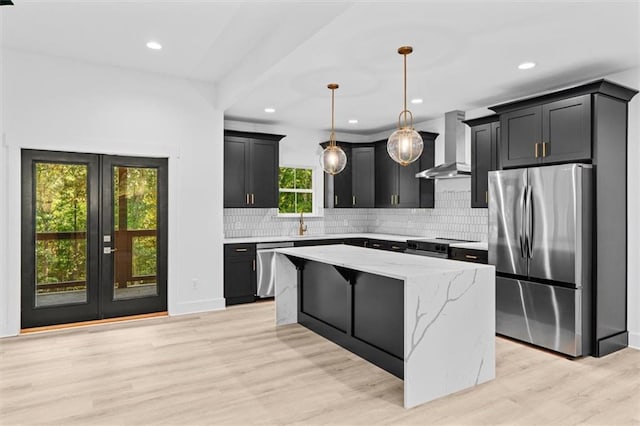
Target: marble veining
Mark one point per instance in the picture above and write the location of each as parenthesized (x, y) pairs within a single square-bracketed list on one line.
[(449, 314), (425, 314)]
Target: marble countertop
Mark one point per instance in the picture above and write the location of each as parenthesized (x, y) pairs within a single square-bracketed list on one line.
[(386, 237), (474, 246), (388, 264)]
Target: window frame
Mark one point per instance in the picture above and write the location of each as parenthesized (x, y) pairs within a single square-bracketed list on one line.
[(316, 186)]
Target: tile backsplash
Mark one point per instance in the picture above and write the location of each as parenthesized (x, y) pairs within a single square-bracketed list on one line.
[(451, 218)]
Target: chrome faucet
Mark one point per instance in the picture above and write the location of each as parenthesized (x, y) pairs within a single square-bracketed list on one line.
[(302, 228)]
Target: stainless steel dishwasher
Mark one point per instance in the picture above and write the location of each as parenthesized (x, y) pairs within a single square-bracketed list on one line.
[(266, 269)]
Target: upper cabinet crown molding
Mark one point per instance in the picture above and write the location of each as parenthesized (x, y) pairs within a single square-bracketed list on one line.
[(601, 86)]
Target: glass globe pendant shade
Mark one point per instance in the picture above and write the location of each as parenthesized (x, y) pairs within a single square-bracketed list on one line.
[(405, 146), (333, 159)]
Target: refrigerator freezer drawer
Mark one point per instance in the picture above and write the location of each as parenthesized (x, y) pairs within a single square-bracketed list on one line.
[(544, 315)]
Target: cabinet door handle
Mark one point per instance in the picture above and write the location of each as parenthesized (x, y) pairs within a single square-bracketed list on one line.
[(335, 200), (354, 200), (391, 199), (240, 250), (253, 199), (535, 149), (468, 256), (247, 198), (376, 245), (544, 149), (253, 263), (395, 247)]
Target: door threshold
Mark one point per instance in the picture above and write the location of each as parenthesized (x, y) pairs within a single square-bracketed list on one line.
[(92, 322)]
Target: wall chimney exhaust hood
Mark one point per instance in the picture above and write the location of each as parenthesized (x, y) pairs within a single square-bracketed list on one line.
[(454, 147)]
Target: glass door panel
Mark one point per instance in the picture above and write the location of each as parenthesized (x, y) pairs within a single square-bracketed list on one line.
[(60, 228), (135, 219), (94, 237), (134, 271), (61, 204)]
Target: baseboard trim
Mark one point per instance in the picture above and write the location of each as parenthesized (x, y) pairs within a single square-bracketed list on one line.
[(634, 340), (197, 306), (92, 322)]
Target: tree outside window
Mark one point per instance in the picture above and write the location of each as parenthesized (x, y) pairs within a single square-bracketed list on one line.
[(296, 190)]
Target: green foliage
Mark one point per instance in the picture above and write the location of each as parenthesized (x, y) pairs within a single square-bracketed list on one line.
[(61, 201), (295, 190)]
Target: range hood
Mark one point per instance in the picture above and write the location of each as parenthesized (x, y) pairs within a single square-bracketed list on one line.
[(454, 147)]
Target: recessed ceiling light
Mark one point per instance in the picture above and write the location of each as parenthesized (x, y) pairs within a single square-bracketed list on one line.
[(526, 65), (154, 45), (416, 101), (270, 110), (353, 121)]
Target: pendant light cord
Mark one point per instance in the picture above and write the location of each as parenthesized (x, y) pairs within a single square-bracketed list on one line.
[(332, 140), (405, 83)]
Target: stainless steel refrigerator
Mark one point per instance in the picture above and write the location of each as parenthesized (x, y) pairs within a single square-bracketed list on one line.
[(540, 232)]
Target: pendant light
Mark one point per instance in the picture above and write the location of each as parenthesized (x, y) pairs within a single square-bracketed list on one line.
[(333, 159), (405, 144)]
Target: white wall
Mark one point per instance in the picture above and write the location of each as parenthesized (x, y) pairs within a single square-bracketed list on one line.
[(57, 104)]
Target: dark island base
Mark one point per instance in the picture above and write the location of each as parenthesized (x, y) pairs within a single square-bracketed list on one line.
[(362, 312)]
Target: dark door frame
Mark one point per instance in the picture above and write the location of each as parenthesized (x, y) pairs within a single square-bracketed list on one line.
[(99, 303)]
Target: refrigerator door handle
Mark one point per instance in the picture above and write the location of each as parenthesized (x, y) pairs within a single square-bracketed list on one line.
[(529, 214), (522, 236)]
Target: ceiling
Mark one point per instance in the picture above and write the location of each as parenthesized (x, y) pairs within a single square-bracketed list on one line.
[(283, 54)]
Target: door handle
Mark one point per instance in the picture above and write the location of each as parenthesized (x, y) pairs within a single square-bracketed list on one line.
[(247, 198), (254, 264), (353, 200), (335, 200), (240, 250), (522, 232), (468, 256), (391, 199), (253, 199), (544, 149), (109, 250), (529, 238), (535, 149)]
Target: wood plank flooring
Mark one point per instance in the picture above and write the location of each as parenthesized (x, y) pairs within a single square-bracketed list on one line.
[(235, 367)]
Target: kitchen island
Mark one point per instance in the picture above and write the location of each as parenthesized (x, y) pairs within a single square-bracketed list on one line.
[(429, 321)]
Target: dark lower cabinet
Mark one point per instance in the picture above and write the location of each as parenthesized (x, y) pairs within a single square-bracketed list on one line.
[(239, 273), (387, 245), (306, 243), (485, 135), (468, 255)]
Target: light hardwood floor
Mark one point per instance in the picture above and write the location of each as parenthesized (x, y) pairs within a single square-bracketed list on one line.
[(236, 367)]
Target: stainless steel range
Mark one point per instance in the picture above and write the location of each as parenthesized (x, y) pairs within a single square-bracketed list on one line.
[(433, 247)]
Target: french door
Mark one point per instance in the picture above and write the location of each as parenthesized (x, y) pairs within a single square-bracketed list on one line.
[(94, 237)]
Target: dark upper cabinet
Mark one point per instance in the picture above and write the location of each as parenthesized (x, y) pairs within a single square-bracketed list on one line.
[(553, 132), (251, 169), (363, 172), (566, 130), (338, 187), (485, 134), (386, 177), (427, 161), (236, 157), (239, 273), (396, 185)]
